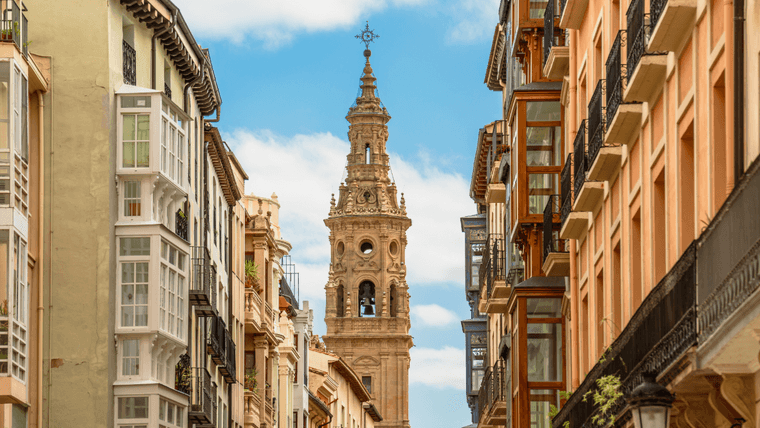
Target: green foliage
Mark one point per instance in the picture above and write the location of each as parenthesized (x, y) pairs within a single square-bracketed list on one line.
[(565, 395), (606, 395), (251, 270), (251, 383), (566, 424), (553, 410)]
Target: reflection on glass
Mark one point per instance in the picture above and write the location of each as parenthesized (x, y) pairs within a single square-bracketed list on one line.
[(540, 400), (540, 187), (537, 9), (544, 308), (543, 111), (544, 352), (543, 146)]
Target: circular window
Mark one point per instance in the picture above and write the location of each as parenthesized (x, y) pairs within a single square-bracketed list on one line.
[(340, 248), (394, 248), (366, 247)]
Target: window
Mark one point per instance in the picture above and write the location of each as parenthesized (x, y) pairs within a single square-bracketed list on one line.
[(133, 408), (132, 202), (367, 381), (130, 357), (172, 290), (170, 414), (134, 247), (136, 140), (20, 287), (543, 146), (540, 187), (134, 294), (172, 144)]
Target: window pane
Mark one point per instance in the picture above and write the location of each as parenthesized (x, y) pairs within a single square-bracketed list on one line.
[(543, 144), (129, 154), (544, 308), (540, 400), (143, 127), (540, 187), (543, 111), (129, 127), (135, 247), (544, 352), (143, 154)]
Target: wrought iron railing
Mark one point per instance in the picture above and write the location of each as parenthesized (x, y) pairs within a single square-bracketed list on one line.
[(548, 29), (562, 4), (615, 76), (637, 37), (216, 340), (202, 402), (595, 123), (180, 225), (565, 189), (655, 11), (494, 261), (659, 333), (579, 159), (167, 90), (13, 24), (551, 239), (129, 59), (493, 387), (230, 362), (183, 375), (202, 292)]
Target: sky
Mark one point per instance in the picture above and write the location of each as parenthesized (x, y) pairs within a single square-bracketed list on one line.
[(288, 70)]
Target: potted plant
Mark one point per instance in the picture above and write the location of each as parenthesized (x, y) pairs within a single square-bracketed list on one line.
[(251, 274), (250, 380)]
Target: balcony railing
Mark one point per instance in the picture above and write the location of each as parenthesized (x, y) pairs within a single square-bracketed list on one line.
[(13, 25), (202, 403), (493, 387), (595, 123), (656, 7), (637, 34), (579, 158), (552, 242), (167, 91), (216, 340), (494, 262), (565, 190), (615, 76), (202, 292), (230, 363), (548, 29), (659, 333), (129, 59), (180, 225), (183, 375), (252, 307)]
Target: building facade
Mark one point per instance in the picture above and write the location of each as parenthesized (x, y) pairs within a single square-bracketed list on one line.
[(367, 311)]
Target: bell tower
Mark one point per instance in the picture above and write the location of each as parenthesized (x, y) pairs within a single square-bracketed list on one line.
[(367, 313)]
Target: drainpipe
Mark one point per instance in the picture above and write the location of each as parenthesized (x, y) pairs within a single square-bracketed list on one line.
[(218, 113), (40, 251), (200, 77), (730, 88), (157, 34), (229, 305), (738, 89), (574, 294)]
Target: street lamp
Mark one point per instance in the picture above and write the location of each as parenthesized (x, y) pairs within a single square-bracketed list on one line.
[(650, 404)]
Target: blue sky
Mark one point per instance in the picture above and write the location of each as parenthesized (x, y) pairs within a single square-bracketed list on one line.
[(288, 70)]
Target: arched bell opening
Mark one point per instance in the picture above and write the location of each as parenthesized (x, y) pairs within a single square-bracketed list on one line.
[(367, 299), (339, 301), (392, 301)]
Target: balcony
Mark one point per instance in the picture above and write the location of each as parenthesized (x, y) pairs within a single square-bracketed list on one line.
[(556, 255), (672, 23), (180, 225), (587, 193), (129, 60), (654, 340), (252, 409), (556, 51), (202, 292), (493, 273), (167, 91), (228, 370), (221, 348), (492, 402), (603, 159), (268, 407), (202, 401), (623, 119), (14, 25), (572, 13), (183, 375), (565, 191), (645, 69), (252, 312)]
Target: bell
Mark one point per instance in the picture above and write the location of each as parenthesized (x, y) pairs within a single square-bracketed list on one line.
[(368, 310)]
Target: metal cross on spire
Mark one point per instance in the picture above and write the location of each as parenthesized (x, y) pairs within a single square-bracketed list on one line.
[(367, 36)]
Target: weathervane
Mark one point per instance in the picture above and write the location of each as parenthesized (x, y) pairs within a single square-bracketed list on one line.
[(367, 36)]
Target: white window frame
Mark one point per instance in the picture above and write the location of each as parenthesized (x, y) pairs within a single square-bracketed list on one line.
[(163, 406), (133, 259), (172, 286), (136, 141), (173, 136), (125, 200), (123, 357), (18, 339), (134, 422)]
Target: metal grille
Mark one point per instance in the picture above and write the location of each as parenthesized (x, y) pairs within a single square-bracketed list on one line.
[(579, 158), (655, 11), (551, 243), (494, 262), (180, 226), (167, 90), (562, 4), (567, 197), (595, 123), (615, 76), (636, 34), (130, 64), (493, 387), (202, 292), (202, 401)]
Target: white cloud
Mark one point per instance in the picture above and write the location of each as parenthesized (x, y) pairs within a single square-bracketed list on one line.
[(433, 315), (441, 368), (275, 22), (475, 20)]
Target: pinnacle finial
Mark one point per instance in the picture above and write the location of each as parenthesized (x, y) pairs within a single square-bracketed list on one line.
[(367, 36)]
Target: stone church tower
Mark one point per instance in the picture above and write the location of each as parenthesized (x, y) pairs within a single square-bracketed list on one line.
[(367, 312)]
